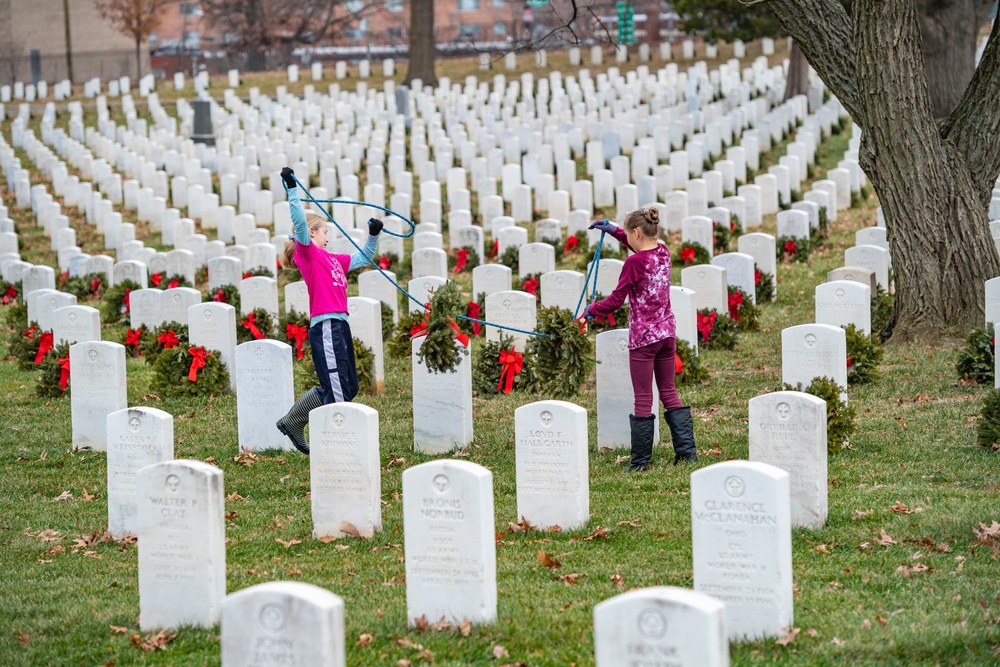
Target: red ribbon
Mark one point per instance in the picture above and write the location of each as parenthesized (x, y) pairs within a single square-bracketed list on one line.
[(29, 333), (756, 276), (687, 255), (512, 363), (459, 336), (156, 279), (125, 300), (732, 226), (531, 286), (173, 283), (10, 294), (735, 301), (472, 310), (418, 329), (63, 277), (462, 259), (168, 339), (251, 323), (220, 296), (248, 274), (706, 323), (132, 337), (297, 333), (496, 248), (198, 356), (571, 244), (383, 262), (63, 373), (790, 247), (44, 345), (678, 365), (95, 284)]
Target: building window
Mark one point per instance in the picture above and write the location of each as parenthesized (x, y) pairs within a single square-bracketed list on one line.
[(500, 28), (190, 9), (192, 40), (395, 32), (394, 5), (498, 3), (468, 5), (468, 30)]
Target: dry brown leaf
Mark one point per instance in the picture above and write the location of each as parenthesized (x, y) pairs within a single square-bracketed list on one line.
[(554, 529), (632, 524), (326, 539), (118, 629), (788, 637), (885, 539), (837, 641), (349, 528), (522, 526), (881, 619), (153, 642), (246, 457), (47, 535), (87, 497), (294, 571), (404, 642), (232, 515), (398, 461), (421, 624), (500, 652), (547, 559), (812, 632), (233, 497), (426, 655), (599, 532), (618, 580), (402, 662), (570, 578), (465, 627), (442, 625), (988, 532), (65, 495), (23, 637), (821, 549), (288, 543), (857, 514), (364, 639)]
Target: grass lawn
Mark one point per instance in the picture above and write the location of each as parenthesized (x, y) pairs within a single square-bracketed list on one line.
[(70, 598)]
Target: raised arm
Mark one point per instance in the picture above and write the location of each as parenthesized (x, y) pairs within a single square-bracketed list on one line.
[(301, 227), (362, 258)]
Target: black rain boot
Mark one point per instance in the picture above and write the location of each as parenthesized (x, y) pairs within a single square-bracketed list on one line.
[(642, 441), (294, 423), (682, 434)]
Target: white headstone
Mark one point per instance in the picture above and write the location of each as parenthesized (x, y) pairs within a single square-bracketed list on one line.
[(870, 257), (490, 278), (182, 544), (264, 393), (739, 271), (615, 393), (98, 388), (442, 404), (512, 309), (843, 302), (137, 437), (810, 351), (710, 286), (449, 542), (212, 325), (76, 324)]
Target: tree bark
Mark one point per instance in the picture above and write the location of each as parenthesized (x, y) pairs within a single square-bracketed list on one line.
[(930, 178), (797, 81), (422, 50), (949, 29)]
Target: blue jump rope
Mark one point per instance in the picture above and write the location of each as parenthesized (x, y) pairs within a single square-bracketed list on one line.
[(592, 270)]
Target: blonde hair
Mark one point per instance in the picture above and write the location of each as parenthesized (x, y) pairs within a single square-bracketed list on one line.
[(646, 220), (314, 221)]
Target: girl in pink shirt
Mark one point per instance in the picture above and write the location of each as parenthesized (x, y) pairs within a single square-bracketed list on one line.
[(325, 275), (652, 334)]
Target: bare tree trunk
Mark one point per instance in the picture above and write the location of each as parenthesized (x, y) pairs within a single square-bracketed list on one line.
[(797, 81), (932, 179), (422, 49), (949, 29), (138, 60)]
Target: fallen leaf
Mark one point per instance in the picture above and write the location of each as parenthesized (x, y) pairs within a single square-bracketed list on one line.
[(349, 528), (821, 549), (232, 515), (884, 621), (837, 641), (154, 642), (23, 638), (465, 627), (885, 539), (395, 462), (421, 623), (282, 480), (570, 578), (87, 497), (364, 639), (233, 497), (294, 571), (812, 632), (901, 508), (618, 580), (118, 629), (65, 495), (246, 457), (326, 539), (633, 524), (500, 652), (857, 514), (522, 526), (554, 529), (622, 459), (47, 535), (788, 638), (598, 533), (426, 655), (288, 543), (547, 559), (402, 662)]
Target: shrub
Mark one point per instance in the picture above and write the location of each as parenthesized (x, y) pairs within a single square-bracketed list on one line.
[(988, 429), (976, 358), (688, 369), (864, 354), (839, 415), (172, 371)]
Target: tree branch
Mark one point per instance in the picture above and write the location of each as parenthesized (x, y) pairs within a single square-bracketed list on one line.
[(822, 29), (974, 125)]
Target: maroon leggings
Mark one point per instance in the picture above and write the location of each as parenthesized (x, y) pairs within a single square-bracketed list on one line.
[(645, 363)]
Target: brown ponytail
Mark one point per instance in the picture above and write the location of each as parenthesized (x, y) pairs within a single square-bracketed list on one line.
[(646, 220)]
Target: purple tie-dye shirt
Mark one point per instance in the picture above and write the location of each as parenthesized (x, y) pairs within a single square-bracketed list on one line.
[(645, 280)]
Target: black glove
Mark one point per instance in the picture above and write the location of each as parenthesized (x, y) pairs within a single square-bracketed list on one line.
[(288, 176), (374, 226)]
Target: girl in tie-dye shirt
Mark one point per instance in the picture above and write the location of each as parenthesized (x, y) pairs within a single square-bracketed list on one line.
[(652, 334)]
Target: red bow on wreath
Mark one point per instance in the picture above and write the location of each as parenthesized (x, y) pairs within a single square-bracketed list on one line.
[(472, 310), (248, 274), (156, 279), (420, 328), (496, 248), (44, 345), (220, 296), (29, 333), (571, 244), (173, 283), (512, 363), (599, 319), (735, 301), (251, 323), (168, 339), (125, 301), (198, 356), (531, 286), (10, 294), (678, 365), (132, 337), (732, 226), (63, 373), (461, 259), (790, 247), (756, 276), (95, 284), (706, 323), (459, 336), (687, 255), (383, 262), (297, 333)]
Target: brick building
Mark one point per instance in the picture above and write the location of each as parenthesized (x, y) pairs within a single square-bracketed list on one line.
[(35, 37)]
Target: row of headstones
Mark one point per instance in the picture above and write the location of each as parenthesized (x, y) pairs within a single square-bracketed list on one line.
[(34, 91), (741, 542)]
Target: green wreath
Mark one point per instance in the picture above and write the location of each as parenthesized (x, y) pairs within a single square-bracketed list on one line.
[(716, 333), (562, 357), (153, 342), (226, 294), (691, 254), (487, 371), (49, 384), (988, 428), (688, 370), (471, 259), (509, 258), (114, 309), (791, 249), (259, 318), (742, 310), (364, 362), (439, 352), (821, 232), (864, 354), (23, 346), (172, 371), (616, 320), (721, 235), (398, 347), (883, 311), (764, 285)]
